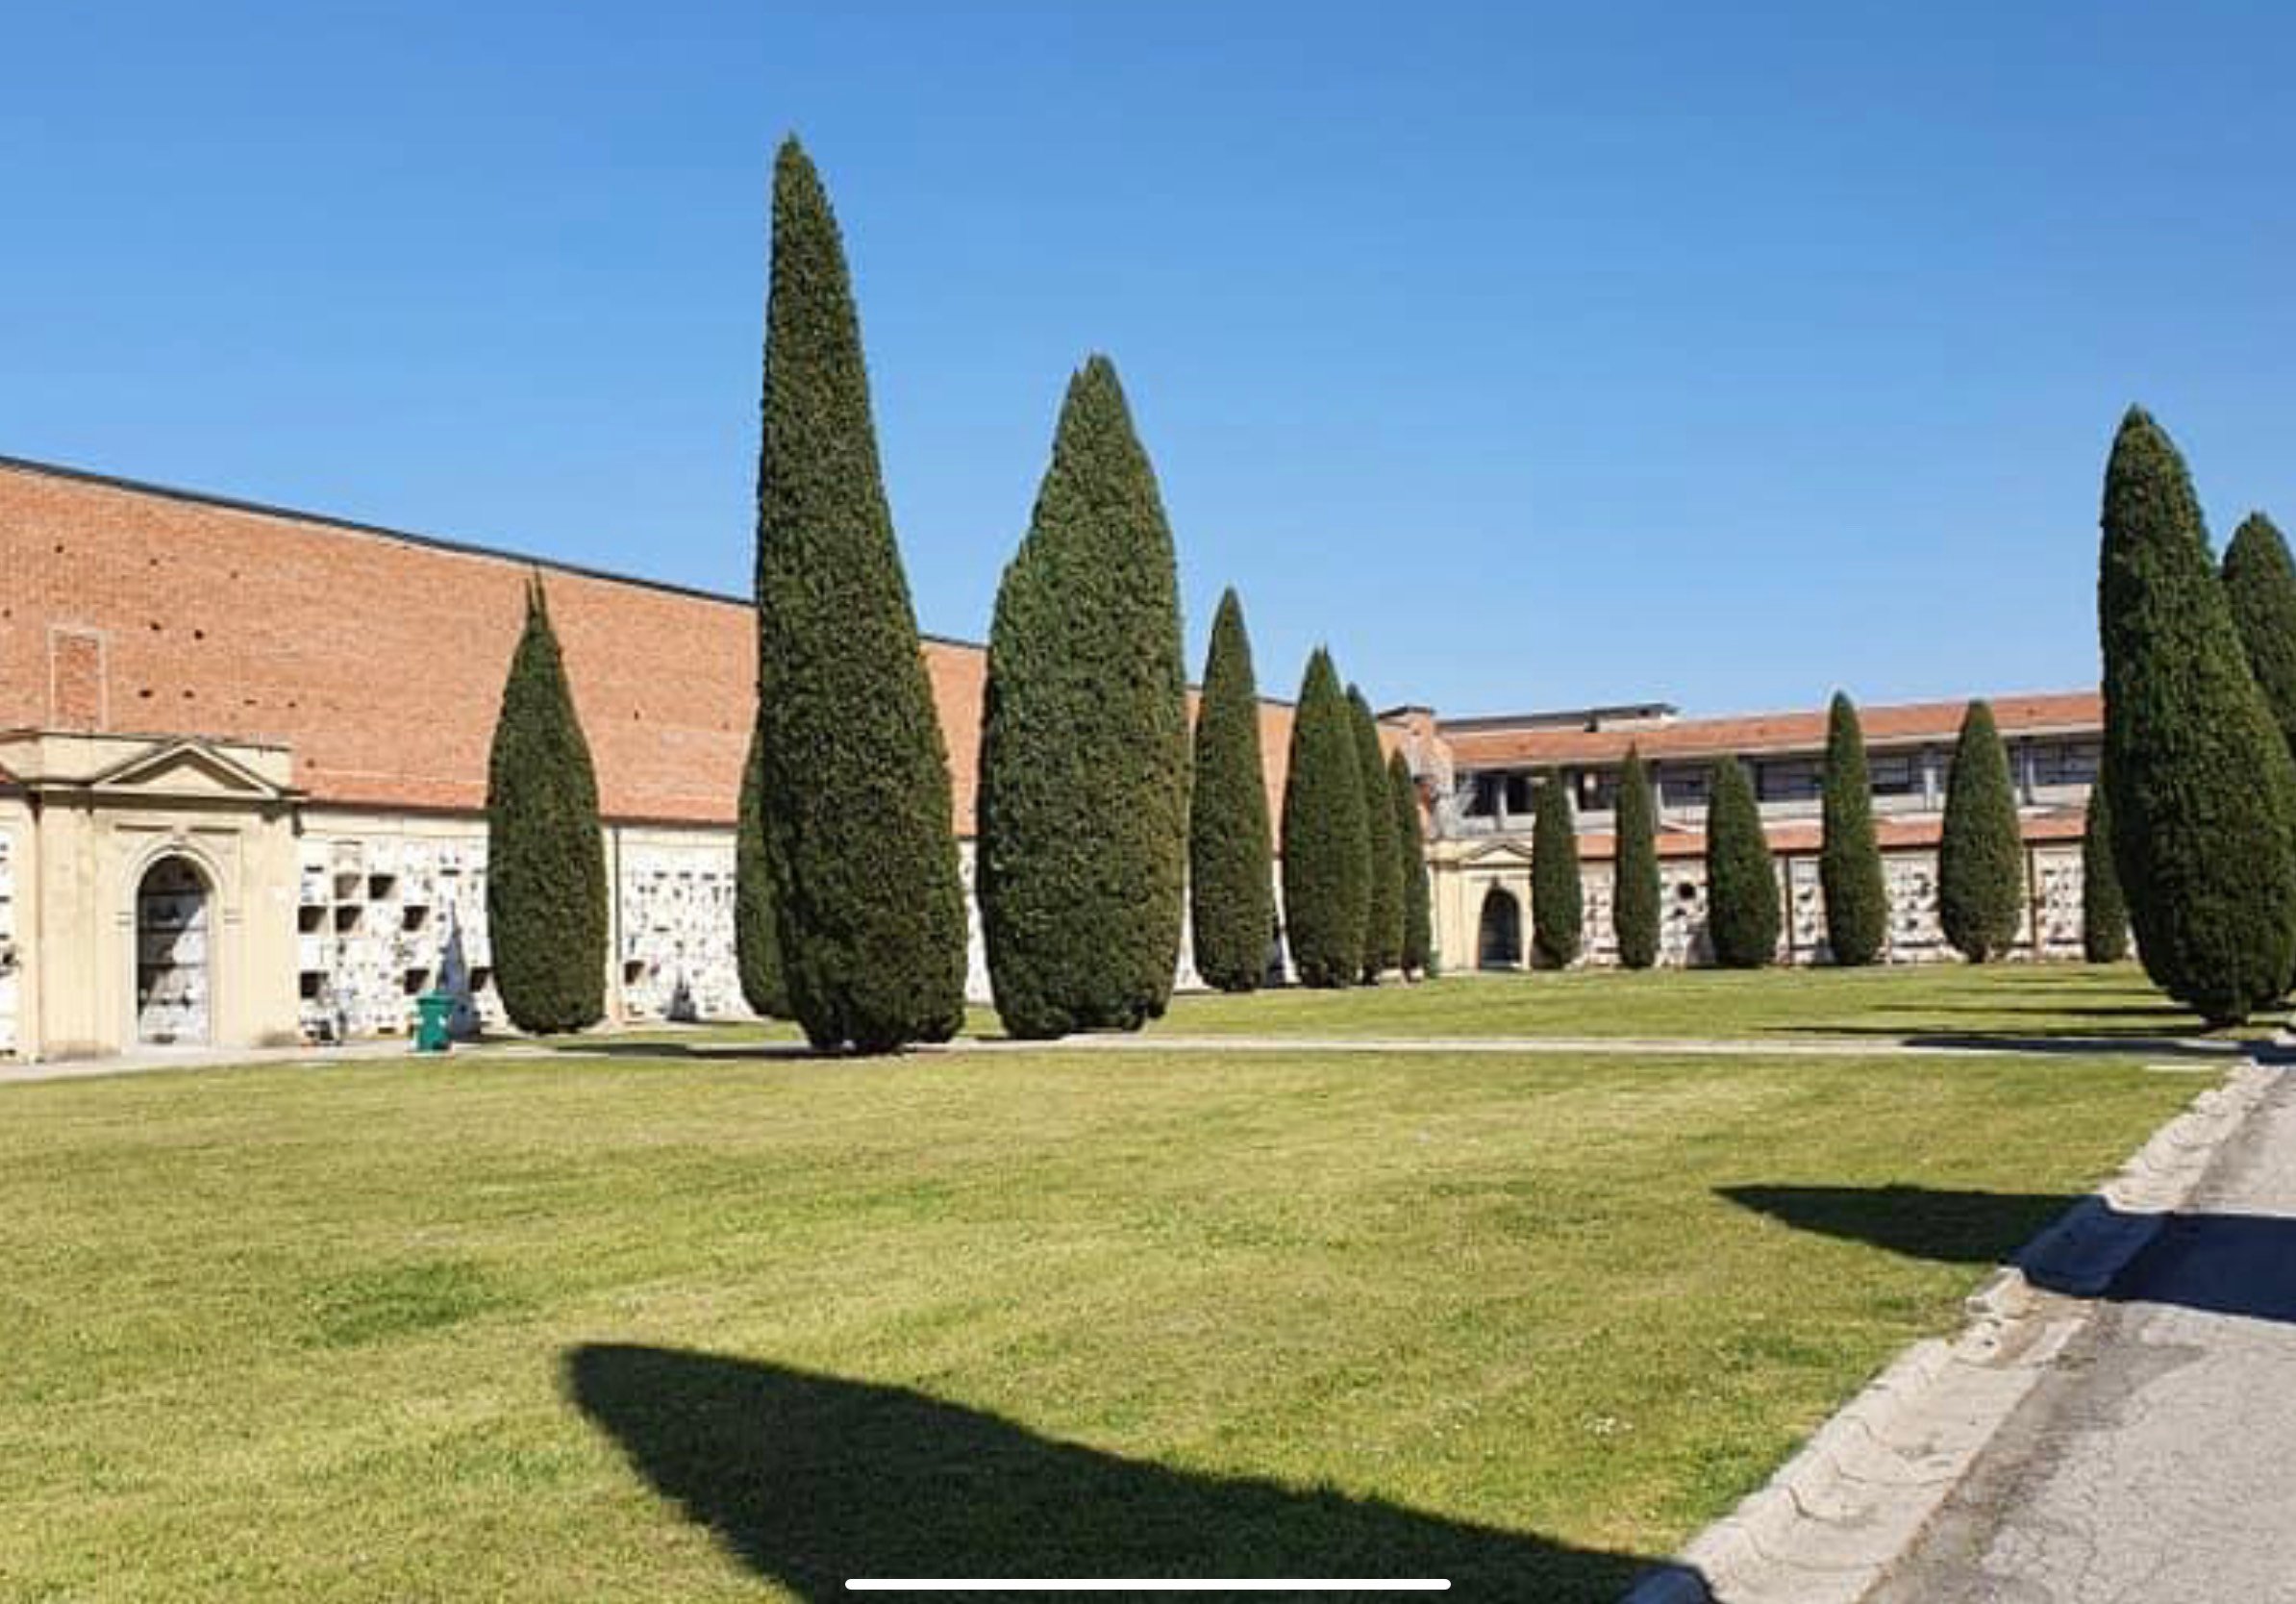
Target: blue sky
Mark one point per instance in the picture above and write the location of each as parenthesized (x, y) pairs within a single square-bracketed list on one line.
[(1530, 355)]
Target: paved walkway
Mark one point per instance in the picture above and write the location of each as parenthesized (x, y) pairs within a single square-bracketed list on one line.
[(2198, 1054), (150, 1059), (2157, 1463)]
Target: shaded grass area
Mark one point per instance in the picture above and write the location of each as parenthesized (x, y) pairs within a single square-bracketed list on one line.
[(640, 1329), (1947, 1003)]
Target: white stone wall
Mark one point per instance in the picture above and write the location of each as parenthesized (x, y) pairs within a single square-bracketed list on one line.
[(1598, 941), (1914, 936), (676, 927), (1803, 902), (384, 914), (381, 900), (976, 946), (2057, 873), (1682, 912), (390, 908)]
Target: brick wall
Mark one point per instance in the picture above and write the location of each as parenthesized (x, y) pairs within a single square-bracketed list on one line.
[(378, 659)]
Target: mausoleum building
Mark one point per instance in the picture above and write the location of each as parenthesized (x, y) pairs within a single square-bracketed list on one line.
[(243, 765)]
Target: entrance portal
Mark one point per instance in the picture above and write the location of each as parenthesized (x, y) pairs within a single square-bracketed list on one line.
[(173, 978), (1500, 945)]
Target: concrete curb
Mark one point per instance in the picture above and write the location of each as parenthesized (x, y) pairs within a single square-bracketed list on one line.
[(1836, 1518)]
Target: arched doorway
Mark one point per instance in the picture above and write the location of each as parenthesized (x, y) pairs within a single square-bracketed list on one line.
[(174, 971), (1499, 944)]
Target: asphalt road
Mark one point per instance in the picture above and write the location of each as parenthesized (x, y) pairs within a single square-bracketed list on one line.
[(2157, 1463)]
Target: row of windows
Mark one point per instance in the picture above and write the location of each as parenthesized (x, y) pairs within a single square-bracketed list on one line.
[(1799, 779)]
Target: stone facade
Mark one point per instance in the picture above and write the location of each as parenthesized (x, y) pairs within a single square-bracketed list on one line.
[(225, 819), (1479, 808), (389, 909), (1461, 885)]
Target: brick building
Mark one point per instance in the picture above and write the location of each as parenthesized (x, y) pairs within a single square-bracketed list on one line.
[(243, 754)]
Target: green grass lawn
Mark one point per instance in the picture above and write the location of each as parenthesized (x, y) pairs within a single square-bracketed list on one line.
[(1953, 1001), (2049, 1004), (645, 1329)]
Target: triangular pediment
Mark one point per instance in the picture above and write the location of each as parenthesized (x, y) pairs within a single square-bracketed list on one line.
[(184, 768), (1498, 855)]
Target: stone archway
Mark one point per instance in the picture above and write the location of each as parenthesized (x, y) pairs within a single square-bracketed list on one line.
[(175, 976), (1499, 936)]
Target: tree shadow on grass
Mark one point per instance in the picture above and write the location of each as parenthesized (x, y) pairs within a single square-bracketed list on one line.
[(2222, 1263), (2068, 1011), (811, 1479), (2085, 1044)]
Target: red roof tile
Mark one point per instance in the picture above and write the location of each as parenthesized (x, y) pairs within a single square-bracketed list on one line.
[(1902, 724)]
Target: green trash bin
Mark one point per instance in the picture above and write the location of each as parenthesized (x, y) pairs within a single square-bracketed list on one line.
[(433, 1010)]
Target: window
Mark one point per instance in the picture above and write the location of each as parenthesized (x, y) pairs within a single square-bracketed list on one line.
[(1492, 789), (2065, 763), (1684, 787), (1595, 789), (1787, 780), (1895, 773)]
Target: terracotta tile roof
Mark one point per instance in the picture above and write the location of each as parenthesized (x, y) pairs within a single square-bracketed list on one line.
[(1902, 723)]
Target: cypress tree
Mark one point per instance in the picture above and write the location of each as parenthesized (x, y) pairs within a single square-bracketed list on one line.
[(2201, 793), (2261, 584), (1848, 858), (2104, 916), (1980, 848), (1742, 883), (1634, 866), (1327, 882), (1084, 804), (757, 943), (1558, 900), (1231, 892), (545, 858), (869, 901), (1383, 908), (1410, 855)]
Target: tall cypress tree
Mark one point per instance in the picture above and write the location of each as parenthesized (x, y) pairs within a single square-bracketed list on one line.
[(1634, 866), (545, 856), (2104, 916), (1849, 857), (1741, 883), (1557, 899), (1327, 881), (867, 895), (1083, 807), (757, 943), (1382, 907), (1231, 892), (1411, 856), (2201, 792), (2261, 584), (1980, 848)]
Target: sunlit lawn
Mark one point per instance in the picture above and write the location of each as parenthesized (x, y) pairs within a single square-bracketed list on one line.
[(682, 1329), (1950, 1000), (1954, 1003)]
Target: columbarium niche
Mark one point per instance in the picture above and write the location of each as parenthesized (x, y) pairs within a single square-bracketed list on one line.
[(174, 980)]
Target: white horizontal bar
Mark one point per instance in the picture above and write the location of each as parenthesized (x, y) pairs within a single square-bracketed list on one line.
[(1161, 1584)]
